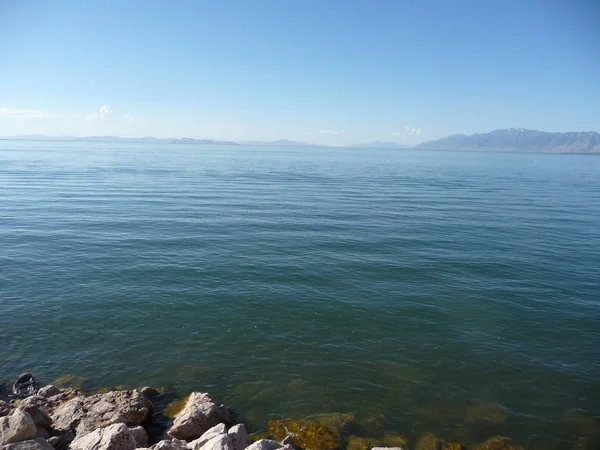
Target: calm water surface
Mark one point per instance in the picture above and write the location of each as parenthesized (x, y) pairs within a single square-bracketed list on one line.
[(430, 287)]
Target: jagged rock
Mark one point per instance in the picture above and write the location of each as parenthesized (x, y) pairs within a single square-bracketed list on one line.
[(5, 408), (170, 444), (63, 441), (217, 430), (37, 444), (199, 414), (112, 437), (84, 414), (140, 435), (19, 426), (25, 385), (239, 437), (49, 391), (265, 444), (35, 407), (219, 442)]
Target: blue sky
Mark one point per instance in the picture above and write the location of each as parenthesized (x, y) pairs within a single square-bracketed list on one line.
[(330, 72)]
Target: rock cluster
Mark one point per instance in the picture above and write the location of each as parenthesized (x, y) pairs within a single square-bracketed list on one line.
[(52, 418)]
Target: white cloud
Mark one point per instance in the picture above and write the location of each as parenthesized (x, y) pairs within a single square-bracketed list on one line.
[(408, 131), (18, 113), (331, 132), (103, 113), (128, 118)]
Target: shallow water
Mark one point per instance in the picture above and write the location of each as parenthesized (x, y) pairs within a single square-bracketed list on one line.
[(434, 288)]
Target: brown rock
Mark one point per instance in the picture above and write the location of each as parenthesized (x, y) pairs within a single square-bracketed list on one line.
[(19, 426), (199, 414)]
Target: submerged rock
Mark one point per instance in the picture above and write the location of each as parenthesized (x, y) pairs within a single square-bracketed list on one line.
[(25, 385), (429, 441), (499, 443), (34, 444), (360, 443), (394, 440), (19, 426), (112, 437), (306, 435), (199, 415)]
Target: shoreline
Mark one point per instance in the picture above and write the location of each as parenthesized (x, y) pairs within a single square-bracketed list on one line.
[(68, 418)]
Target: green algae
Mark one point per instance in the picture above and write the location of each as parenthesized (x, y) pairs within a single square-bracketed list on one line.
[(307, 435), (361, 443), (499, 443), (70, 381), (175, 407)]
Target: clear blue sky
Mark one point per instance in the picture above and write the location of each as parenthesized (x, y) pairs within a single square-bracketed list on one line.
[(332, 72)]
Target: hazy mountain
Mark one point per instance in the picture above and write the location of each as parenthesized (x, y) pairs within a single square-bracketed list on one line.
[(519, 139), (280, 142), (379, 144), (147, 139)]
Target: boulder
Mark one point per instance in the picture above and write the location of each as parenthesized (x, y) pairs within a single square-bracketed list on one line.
[(112, 437), (19, 426), (199, 414), (218, 442), (217, 430), (49, 391), (170, 444), (62, 442), (239, 437), (37, 444), (25, 385), (35, 406), (140, 435), (265, 444), (5, 408), (85, 414)]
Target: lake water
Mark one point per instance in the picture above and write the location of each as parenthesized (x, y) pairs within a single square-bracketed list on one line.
[(451, 292)]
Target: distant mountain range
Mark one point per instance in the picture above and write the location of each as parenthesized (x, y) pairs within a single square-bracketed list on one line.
[(520, 140), (509, 140)]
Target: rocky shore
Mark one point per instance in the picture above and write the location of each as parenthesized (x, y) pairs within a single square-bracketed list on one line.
[(48, 418)]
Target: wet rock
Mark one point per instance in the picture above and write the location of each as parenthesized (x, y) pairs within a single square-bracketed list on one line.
[(265, 444), (305, 434), (140, 435), (217, 430), (169, 444), (359, 443), (429, 441), (395, 440), (239, 437), (150, 393), (34, 444), (199, 415), (25, 385), (19, 426), (112, 437), (49, 391), (499, 443)]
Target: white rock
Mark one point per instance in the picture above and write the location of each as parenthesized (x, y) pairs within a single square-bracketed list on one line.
[(199, 415), (239, 437), (19, 426), (49, 391), (37, 444), (207, 436), (113, 437), (169, 444), (265, 444), (219, 442)]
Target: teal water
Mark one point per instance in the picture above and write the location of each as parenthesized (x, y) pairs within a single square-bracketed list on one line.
[(429, 287)]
